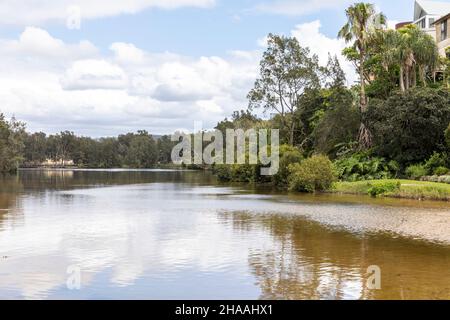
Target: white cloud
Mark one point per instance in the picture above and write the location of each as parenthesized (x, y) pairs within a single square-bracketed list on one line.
[(38, 43), (25, 12), (127, 53), (53, 86), (94, 74), (299, 7), (308, 34)]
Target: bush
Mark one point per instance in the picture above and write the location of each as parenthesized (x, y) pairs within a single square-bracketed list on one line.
[(416, 172), (437, 160), (383, 187), (441, 171), (447, 136), (223, 172), (244, 173), (312, 174), (409, 127), (361, 166), (288, 155)]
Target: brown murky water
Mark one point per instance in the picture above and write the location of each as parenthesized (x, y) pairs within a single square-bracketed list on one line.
[(180, 235)]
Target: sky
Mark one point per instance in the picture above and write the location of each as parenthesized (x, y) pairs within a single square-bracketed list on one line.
[(106, 67)]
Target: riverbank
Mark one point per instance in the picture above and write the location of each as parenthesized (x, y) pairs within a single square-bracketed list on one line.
[(408, 189)]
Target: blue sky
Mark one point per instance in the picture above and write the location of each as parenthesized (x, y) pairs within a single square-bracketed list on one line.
[(151, 64), (227, 25)]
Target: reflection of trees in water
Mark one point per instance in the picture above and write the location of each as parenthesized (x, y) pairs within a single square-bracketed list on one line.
[(69, 179), (311, 261), (10, 189)]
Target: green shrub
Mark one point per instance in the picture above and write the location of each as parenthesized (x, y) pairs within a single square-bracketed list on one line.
[(447, 136), (244, 173), (409, 127), (361, 166), (440, 171), (416, 172), (223, 172), (312, 174), (383, 187), (437, 160), (288, 155)]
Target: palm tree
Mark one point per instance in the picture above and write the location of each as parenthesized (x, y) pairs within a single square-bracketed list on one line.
[(410, 49), (425, 51), (362, 20)]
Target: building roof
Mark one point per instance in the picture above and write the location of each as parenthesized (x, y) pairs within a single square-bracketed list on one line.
[(438, 8), (446, 17)]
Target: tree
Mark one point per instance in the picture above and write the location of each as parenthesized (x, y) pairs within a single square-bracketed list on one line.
[(12, 137), (286, 71), (142, 151), (362, 21), (35, 148), (339, 124), (165, 146), (334, 73), (409, 127)]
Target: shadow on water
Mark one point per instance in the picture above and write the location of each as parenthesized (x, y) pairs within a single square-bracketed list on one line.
[(311, 261)]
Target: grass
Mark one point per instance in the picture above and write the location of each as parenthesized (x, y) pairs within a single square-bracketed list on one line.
[(409, 189)]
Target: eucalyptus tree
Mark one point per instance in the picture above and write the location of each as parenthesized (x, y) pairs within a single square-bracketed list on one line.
[(362, 21), (12, 137), (287, 71)]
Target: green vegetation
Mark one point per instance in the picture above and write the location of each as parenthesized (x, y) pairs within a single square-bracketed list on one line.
[(12, 135), (393, 124), (361, 24), (312, 174), (132, 150), (416, 171), (420, 190)]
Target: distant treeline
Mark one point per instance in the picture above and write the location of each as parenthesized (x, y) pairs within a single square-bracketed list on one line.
[(132, 150)]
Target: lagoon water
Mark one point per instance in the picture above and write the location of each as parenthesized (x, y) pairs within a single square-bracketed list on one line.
[(157, 234)]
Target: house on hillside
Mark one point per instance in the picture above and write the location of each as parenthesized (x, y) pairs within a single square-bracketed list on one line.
[(427, 12)]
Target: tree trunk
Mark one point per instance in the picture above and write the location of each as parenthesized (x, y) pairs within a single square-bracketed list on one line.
[(365, 137), (422, 76), (414, 77), (292, 129), (363, 98), (407, 78), (402, 79)]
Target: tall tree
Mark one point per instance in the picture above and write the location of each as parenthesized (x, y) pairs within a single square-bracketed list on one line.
[(287, 70), (12, 137), (362, 19)]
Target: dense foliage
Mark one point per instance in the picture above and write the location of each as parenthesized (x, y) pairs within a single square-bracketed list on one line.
[(11, 144), (410, 127), (132, 150), (312, 174)]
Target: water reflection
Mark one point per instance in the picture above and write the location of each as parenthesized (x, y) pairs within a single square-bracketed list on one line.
[(10, 209), (311, 261), (178, 235)]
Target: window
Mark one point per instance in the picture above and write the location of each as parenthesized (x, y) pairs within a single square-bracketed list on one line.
[(422, 24), (431, 21), (443, 30)]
